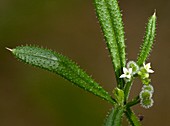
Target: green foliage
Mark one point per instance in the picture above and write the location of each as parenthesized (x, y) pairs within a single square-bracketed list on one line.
[(115, 116), (119, 96), (109, 119), (110, 20), (132, 118), (61, 65), (148, 40), (109, 16)]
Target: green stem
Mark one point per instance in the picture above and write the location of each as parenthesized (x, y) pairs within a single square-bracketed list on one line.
[(133, 102), (127, 89)]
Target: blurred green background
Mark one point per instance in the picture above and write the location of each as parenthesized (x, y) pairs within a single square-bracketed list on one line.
[(33, 97)]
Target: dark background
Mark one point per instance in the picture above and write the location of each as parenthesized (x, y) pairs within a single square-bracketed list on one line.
[(33, 97)]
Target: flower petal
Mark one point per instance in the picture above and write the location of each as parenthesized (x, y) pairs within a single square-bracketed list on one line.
[(150, 71), (130, 70), (125, 70), (123, 76), (149, 65)]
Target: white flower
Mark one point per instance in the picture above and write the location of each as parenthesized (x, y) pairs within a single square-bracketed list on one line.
[(127, 73), (147, 67)]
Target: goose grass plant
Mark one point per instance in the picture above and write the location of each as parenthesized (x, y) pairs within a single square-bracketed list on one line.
[(110, 19)]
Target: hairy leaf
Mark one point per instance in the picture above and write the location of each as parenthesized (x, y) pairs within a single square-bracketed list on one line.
[(61, 65), (109, 16), (132, 118), (109, 118), (148, 40), (115, 117)]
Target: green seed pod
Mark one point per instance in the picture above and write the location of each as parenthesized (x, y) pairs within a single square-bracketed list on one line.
[(148, 88), (147, 103), (145, 94)]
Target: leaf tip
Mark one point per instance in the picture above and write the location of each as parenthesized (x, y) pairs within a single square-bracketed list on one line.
[(154, 14), (9, 49)]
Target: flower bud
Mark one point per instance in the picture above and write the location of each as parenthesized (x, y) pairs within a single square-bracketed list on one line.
[(134, 66), (146, 81)]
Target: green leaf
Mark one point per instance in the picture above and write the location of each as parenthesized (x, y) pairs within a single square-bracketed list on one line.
[(109, 118), (132, 118), (61, 65), (115, 117), (119, 96), (109, 16), (148, 40)]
